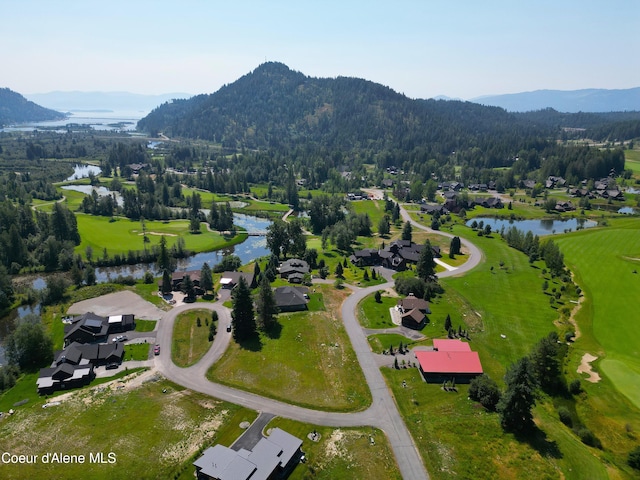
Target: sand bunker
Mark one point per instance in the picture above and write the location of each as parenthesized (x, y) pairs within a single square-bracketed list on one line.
[(585, 367)]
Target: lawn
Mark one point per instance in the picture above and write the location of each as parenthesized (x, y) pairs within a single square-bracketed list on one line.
[(459, 439), (190, 341), (145, 325), (383, 341), (341, 452), (279, 367), (502, 296), (632, 160), (605, 262), (157, 434), (372, 314), (123, 235), (136, 351)]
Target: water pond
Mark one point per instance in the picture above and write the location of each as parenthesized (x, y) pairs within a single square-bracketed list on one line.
[(537, 227)]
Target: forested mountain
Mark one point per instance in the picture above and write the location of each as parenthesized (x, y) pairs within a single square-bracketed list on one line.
[(14, 108), (275, 107), (572, 101)]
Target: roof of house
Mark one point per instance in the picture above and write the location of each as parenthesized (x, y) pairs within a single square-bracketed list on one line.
[(450, 345), (294, 265), (449, 362), (223, 463), (234, 278), (416, 315), (290, 296), (411, 302)]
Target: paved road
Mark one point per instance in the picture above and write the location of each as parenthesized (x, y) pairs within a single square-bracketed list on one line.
[(382, 413)]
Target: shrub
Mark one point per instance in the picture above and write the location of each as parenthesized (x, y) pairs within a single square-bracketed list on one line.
[(634, 458), (565, 416), (484, 389), (148, 277), (587, 437), (575, 387)]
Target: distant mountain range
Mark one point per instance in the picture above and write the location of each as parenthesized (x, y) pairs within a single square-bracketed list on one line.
[(103, 101), (14, 108), (570, 101)]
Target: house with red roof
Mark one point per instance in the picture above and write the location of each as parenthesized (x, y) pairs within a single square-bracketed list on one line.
[(449, 360)]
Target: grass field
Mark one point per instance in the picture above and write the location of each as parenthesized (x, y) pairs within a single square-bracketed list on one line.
[(372, 314), (124, 235), (459, 439), (341, 452), (279, 367), (136, 351), (383, 341), (605, 262), (190, 341), (145, 325), (632, 161), (135, 424)]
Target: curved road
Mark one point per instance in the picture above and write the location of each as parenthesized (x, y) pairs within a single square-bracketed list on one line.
[(382, 413)]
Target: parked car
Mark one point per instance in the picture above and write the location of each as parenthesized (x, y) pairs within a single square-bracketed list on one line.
[(229, 328), (119, 338), (111, 366), (156, 349)]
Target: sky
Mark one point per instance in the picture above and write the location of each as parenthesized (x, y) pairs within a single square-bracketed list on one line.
[(457, 48)]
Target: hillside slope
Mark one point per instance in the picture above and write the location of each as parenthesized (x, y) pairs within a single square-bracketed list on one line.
[(14, 108)]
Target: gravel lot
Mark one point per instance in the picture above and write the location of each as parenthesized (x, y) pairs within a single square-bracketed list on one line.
[(116, 304)]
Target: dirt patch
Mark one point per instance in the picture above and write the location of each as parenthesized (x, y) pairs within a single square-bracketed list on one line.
[(585, 367), (118, 303), (160, 234)]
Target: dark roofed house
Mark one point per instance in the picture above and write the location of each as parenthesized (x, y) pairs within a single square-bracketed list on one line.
[(293, 265), (87, 328), (230, 279), (178, 277), (414, 319), (430, 208), (64, 376), (121, 323), (272, 457), (411, 302), (365, 258), (291, 299)]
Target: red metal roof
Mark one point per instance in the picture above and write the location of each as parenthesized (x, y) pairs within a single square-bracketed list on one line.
[(449, 362), (447, 345)]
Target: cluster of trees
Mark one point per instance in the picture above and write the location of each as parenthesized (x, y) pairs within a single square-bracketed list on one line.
[(221, 217), (529, 244), (27, 349), (425, 283), (286, 238), (34, 239), (244, 320)]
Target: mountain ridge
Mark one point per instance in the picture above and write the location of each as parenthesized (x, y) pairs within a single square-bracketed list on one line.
[(592, 100), (15, 108)]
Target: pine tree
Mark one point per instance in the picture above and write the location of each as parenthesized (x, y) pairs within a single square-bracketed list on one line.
[(406, 231), (447, 323), (243, 318), (426, 267), (365, 277), (339, 270), (519, 398), (266, 306), (206, 279), (166, 282)]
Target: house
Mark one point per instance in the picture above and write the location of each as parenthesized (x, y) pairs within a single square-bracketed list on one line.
[(387, 183), (412, 302), (365, 258), (65, 375), (489, 202), (413, 312), (230, 279), (272, 457), (291, 299), (178, 277), (564, 206), (121, 323), (293, 265), (87, 328), (529, 184), (449, 360), (433, 208)]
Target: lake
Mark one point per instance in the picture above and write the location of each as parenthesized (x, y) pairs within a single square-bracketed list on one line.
[(98, 120), (101, 191), (537, 227), (83, 171)]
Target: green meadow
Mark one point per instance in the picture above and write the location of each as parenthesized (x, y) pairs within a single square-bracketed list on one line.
[(277, 366), (122, 235), (189, 341), (606, 262)]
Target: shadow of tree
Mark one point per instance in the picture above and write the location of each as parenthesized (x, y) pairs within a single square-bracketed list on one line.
[(274, 331), (538, 440), (252, 343)]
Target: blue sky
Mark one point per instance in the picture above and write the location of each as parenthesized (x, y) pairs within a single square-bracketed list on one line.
[(425, 48)]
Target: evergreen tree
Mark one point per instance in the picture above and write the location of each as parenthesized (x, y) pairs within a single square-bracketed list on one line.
[(378, 296), (188, 288), (166, 282), (447, 323), (454, 246), (485, 390), (365, 277), (519, 397), (407, 231), (426, 267), (29, 346), (266, 306), (545, 358), (206, 279), (383, 226), (165, 262), (339, 270), (242, 315)]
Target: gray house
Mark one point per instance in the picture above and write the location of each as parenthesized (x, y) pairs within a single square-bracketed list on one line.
[(274, 456)]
